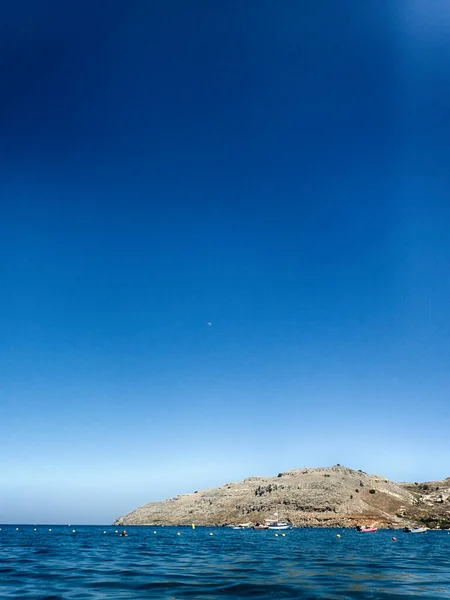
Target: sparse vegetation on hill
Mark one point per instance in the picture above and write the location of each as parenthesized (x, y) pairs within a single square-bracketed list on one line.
[(317, 497)]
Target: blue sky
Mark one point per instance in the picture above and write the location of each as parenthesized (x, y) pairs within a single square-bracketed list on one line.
[(279, 170)]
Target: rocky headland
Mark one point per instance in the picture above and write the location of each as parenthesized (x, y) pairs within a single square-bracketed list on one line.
[(310, 497)]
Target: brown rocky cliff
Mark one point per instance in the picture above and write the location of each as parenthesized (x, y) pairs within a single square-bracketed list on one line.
[(316, 497)]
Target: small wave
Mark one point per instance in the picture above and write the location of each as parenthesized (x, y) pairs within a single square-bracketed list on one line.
[(306, 564), (250, 590)]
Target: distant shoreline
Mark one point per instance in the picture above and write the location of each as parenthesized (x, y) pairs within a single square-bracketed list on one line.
[(334, 497)]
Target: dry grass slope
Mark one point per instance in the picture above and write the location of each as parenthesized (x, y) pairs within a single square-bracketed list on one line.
[(317, 497)]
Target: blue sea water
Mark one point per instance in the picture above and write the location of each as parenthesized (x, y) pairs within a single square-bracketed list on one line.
[(305, 563)]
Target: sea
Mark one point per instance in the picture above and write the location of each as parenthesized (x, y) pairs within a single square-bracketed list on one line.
[(54, 562)]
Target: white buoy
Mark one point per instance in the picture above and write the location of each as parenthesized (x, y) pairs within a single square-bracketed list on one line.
[(49, 529)]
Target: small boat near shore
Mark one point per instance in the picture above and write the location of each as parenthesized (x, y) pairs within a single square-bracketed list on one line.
[(416, 530), (364, 529), (276, 524), (279, 525)]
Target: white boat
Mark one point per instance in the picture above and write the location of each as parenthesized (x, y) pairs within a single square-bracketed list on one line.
[(416, 530), (280, 525), (276, 524)]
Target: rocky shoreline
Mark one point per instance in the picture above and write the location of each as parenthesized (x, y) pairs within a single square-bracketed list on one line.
[(310, 497)]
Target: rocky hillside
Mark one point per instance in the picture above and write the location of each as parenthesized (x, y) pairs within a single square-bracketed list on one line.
[(321, 497), (431, 502)]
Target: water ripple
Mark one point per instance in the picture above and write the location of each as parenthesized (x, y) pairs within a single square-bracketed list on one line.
[(307, 564)]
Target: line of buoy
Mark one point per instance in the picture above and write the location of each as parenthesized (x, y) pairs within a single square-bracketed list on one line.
[(338, 535)]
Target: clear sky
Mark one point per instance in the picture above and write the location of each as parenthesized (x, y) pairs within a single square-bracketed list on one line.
[(279, 170)]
